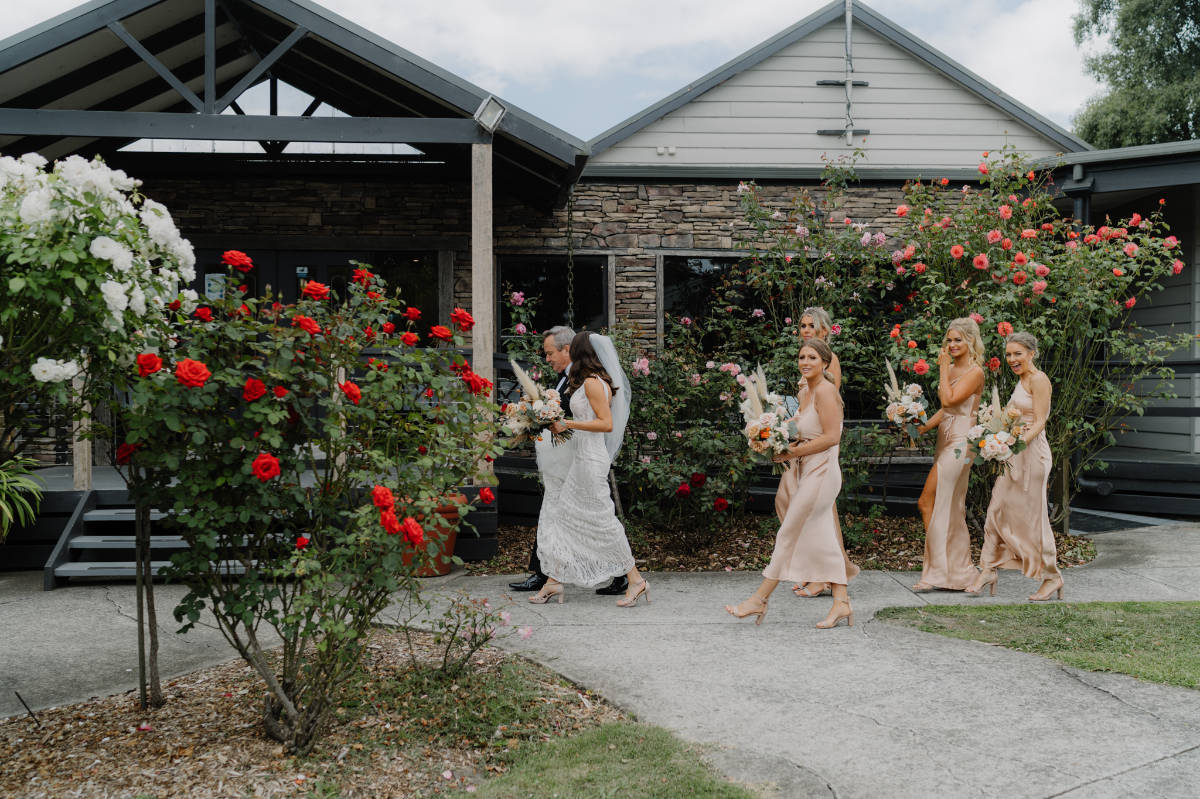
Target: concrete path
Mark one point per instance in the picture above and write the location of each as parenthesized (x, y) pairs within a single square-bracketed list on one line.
[(873, 711)]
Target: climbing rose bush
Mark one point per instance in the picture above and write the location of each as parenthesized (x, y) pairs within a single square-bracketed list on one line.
[(302, 451)]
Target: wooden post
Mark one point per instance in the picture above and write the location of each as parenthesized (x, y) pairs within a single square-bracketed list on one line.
[(483, 277), (81, 445)]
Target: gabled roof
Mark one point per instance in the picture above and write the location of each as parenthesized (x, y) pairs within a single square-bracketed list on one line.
[(865, 17), (81, 61)]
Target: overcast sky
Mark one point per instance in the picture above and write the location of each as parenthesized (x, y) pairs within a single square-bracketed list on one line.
[(585, 66)]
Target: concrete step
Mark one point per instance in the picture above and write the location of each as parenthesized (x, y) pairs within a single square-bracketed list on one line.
[(119, 515), (126, 542), (125, 568)]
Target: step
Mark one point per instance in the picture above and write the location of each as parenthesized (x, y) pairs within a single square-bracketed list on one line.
[(113, 515), (125, 568), (126, 542)]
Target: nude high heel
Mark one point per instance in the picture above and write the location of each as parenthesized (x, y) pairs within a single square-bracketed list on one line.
[(548, 591), (632, 599), (1042, 594), (737, 612), (836, 618), (977, 589)]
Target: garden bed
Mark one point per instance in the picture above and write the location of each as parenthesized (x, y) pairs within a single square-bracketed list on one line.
[(892, 543), (399, 734)]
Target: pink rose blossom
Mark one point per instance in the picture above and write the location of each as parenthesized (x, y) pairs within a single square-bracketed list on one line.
[(787, 320), (1039, 286), (695, 380), (1130, 249), (835, 329), (686, 321), (1006, 212), (1041, 270), (642, 367), (1177, 267), (710, 365), (1170, 241), (758, 313), (517, 298), (520, 328), (678, 434), (993, 236), (978, 319), (741, 380), (645, 459), (652, 436)]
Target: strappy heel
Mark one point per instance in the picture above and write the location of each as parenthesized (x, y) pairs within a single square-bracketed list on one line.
[(1038, 596), (977, 589), (629, 600), (848, 616), (807, 589), (548, 591), (737, 612)]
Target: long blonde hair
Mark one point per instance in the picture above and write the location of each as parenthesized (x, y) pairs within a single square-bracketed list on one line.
[(826, 355), (970, 333), (820, 318)]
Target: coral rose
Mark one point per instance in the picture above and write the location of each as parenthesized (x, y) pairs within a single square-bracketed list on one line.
[(413, 532), (957, 251), (308, 324), (389, 522), (994, 363), (921, 367), (1004, 328), (191, 374), (980, 261), (383, 498)]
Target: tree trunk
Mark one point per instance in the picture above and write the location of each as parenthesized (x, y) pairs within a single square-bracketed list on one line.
[(145, 568)]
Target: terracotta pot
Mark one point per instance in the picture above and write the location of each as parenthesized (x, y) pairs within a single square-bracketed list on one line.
[(444, 531)]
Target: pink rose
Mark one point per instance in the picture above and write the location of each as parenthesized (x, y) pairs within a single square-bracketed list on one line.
[(520, 328)]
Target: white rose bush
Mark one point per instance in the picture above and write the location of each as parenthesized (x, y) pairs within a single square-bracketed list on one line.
[(88, 270)]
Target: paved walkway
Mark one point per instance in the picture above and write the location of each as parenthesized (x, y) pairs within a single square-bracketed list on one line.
[(873, 711)]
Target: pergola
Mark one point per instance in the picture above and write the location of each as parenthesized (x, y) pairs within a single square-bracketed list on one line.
[(111, 72)]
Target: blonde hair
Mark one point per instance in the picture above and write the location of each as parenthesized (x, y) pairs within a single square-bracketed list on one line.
[(820, 318), (970, 333), (826, 355), (1026, 340)]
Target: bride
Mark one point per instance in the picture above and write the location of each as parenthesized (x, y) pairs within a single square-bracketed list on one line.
[(579, 539)]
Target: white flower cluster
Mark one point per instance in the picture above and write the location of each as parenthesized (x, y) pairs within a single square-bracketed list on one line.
[(49, 370), (997, 437), (908, 408)]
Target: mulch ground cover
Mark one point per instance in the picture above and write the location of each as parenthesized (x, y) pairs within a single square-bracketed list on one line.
[(393, 739), (892, 543)]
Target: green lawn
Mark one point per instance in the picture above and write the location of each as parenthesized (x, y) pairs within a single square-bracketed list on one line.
[(619, 759), (1154, 641)]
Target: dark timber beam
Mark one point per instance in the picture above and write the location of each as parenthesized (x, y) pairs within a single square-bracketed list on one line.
[(210, 56), (158, 66), (161, 125), (260, 69)]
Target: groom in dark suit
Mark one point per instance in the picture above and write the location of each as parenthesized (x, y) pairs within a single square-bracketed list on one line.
[(557, 347)]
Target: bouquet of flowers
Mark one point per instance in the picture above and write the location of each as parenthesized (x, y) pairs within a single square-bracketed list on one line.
[(997, 437), (906, 408), (537, 410), (769, 429)]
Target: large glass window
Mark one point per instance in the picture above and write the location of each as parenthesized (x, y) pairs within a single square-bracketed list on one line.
[(690, 283), (545, 277)]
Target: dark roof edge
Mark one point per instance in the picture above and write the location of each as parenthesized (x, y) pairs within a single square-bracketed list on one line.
[(595, 171), (881, 25), (22, 46), (1161, 150)]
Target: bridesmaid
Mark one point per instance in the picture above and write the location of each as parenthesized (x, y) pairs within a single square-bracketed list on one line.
[(806, 546), (816, 323), (943, 501), (1017, 533)]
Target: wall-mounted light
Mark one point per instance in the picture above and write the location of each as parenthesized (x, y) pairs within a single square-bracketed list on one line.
[(489, 114)]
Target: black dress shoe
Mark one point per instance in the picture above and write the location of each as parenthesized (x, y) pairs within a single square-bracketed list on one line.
[(618, 586), (533, 582)]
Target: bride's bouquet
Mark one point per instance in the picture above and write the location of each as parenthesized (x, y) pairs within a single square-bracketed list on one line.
[(769, 429), (997, 437), (906, 407), (537, 410)]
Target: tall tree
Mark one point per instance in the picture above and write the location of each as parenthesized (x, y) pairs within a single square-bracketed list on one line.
[(1151, 66)]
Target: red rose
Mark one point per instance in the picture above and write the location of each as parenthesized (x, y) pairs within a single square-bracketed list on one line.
[(362, 277), (238, 260), (308, 324), (410, 339), (412, 314), (683, 491), (389, 328), (994, 364), (1176, 267), (1132, 301), (429, 393), (301, 542), (125, 452), (720, 503), (315, 290), (243, 310), (486, 496), (477, 384), (422, 449), (203, 314), (413, 532), (382, 497), (957, 251), (369, 333), (389, 522), (191, 374), (280, 391), (175, 305), (438, 331), (1004, 328), (1019, 278), (148, 363), (253, 389), (463, 319), (921, 367), (698, 479), (351, 390), (265, 466), (980, 261), (919, 268)]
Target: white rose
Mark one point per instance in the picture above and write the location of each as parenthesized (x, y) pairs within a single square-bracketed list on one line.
[(36, 207), (114, 296), (975, 432)]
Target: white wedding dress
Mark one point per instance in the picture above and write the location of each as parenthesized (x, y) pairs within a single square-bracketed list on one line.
[(579, 539)]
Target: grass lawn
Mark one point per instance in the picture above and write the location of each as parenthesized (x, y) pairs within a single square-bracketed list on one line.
[(1154, 641), (617, 759)]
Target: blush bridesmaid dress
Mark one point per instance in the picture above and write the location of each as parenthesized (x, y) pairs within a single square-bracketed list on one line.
[(1017, 533), (806, 547), (947, 563)]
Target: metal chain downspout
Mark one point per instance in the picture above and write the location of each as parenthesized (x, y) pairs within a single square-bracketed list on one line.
[(571, 259)]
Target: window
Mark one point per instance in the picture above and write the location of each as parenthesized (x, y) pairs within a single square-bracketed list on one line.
[(690, 282), (545, 277)]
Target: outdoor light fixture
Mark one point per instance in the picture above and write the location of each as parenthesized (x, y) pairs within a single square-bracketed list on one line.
[(489, 114)]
